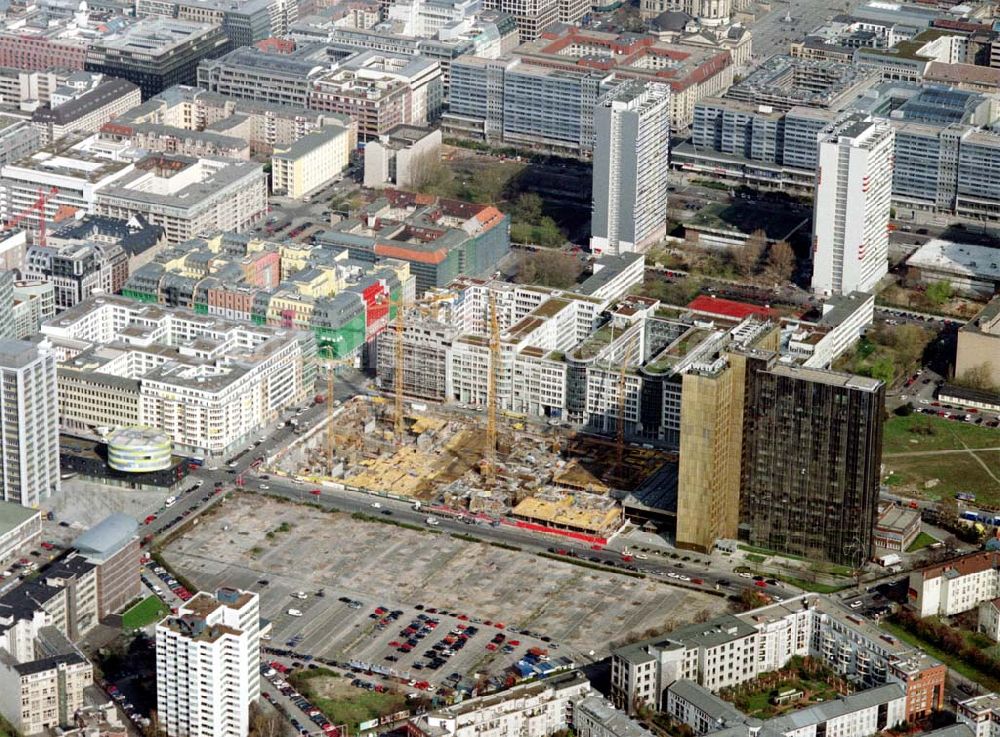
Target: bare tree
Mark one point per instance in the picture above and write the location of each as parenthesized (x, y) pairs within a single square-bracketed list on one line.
[(781, 261), (747, 256), (978, 377), (265, 722)]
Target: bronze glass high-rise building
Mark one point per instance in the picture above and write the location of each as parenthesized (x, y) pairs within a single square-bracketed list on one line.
[(811, 457)]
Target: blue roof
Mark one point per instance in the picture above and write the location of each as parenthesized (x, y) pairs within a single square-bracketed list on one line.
[(107, 536)]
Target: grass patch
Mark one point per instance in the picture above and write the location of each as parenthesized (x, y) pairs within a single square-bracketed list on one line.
[(354, 706), (923, 432), (754, 558), (813, 586), (147, 611), (765, 551), (987, 680), (937, 477), (922, 541)]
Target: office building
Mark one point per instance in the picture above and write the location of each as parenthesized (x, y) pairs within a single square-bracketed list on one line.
[(45, 692), (29, 423), (157, 53), (593, 716), (244, 23), (897, 527), (970, 270), (19, 527), (632, 126), (188, 196), (851, 214), (402, 158), (69, 171), (979, 716), (34, 303), (783, 82), (813, 450), (8, 325), (18, 138), (77, 270), (86, 112), (313, 161), (979, 343), (533, 17), (208, 665), (208, 382), (266, 75), (112, 546)]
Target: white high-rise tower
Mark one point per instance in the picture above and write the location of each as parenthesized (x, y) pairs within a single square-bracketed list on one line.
[(632, 126), (851, 215)]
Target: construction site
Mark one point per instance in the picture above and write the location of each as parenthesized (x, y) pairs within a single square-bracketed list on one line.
[(438, 455)]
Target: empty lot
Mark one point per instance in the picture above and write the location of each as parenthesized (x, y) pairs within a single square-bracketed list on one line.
[(299, 548)]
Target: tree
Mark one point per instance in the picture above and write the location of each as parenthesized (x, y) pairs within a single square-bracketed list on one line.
[(781, 261), (265, 723), (527, 208), (428, 174), (883, 369), (548, 268), (939, 292), (978, 377), (747, 256)]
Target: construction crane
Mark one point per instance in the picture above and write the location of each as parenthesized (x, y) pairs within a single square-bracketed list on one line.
[(331, 364), (39, 206), (490, 455)]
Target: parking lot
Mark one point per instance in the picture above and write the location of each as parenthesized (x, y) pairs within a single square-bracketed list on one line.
[(568, 610)]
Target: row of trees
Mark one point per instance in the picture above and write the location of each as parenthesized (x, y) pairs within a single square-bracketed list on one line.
[(755, 257), (948, 639)]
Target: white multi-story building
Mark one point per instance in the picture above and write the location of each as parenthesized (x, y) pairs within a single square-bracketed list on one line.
[(208, 665), (632, 125), (981, 714), (732, 649), (531, 710), (851, 214), (189, 197), (29, 422), (209, 383), (956, 586)]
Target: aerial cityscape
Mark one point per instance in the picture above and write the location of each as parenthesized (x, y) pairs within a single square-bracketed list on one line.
[(499, 368)]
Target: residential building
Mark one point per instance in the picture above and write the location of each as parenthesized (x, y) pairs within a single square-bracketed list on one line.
[(593, 716), (857, 715), (77, 270), (244, 23), (841, 322), (813, 450), (157, 53), (8, 325), (19, 527), (959, 585), (209, 383), (188, 197), (402, 157), (851, 214), (112, 546), (988, 621), (979, 343), (45, 692), (980, 715), (301, 168), (29, 423), (632, 126), (87, 112), (208, 665), (734, 649), (535, 709)]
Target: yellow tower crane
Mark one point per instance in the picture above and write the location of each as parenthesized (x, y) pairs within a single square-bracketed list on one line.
[(330, 364), (490, 455)]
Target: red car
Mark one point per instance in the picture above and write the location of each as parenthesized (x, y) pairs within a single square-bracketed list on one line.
[(47, 546), (316, 492), (762, 584), (149, 519)]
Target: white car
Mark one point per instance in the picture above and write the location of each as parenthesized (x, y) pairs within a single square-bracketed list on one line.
[(376, 505), (745, 575), (641, 556), (856, 604), (294, 613), (300, 595), (264, 487), (432, 521)]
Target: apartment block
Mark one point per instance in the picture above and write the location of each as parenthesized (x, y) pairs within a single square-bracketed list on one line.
[(531, 710), (157, 53), (311, 162), (46, 691), (851, 214), (734, 649), (957, 586), (29, 423), (632, 126), (208, 665), (209, 383), (188, 197)]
